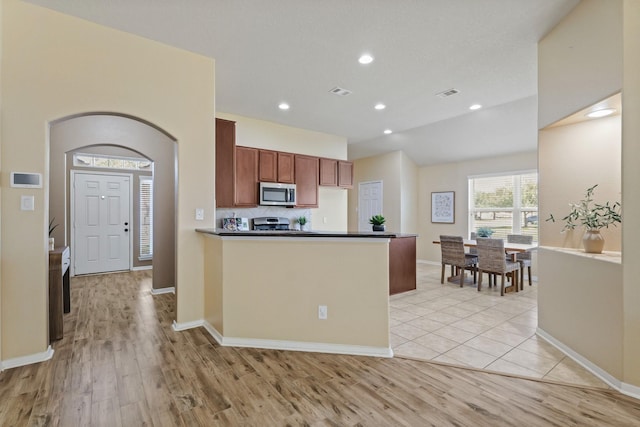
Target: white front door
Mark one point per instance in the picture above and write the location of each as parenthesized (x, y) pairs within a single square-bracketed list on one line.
[(100, 222), (369, 203)]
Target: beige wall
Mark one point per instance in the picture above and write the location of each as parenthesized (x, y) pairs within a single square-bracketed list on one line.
[(273, 306), (571, 79), (593, 148), (332, 202), (579, 304), (388, 169), (454, 177), (630, 193), (54, 66), (580, 60), (409, 192)]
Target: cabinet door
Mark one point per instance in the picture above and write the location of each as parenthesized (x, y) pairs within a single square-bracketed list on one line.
[(268, 166), (345, 174), (246, 176), (286, 168), (329, 172), (306, 172), (225, 161)]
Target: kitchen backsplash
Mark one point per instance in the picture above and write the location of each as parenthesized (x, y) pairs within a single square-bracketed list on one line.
[(292, 213)]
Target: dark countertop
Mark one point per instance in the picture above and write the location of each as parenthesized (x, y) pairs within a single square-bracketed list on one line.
[(297, 233)]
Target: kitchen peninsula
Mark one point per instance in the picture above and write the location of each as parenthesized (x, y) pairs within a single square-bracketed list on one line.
[(269, 289)]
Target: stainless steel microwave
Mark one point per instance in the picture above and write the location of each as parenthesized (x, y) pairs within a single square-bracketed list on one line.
[(276, 194)]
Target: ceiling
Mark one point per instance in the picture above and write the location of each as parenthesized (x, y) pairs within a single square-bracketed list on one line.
[(296, 51)]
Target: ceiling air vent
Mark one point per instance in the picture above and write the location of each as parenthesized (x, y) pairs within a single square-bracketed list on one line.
[(340, 91), (447, 93)]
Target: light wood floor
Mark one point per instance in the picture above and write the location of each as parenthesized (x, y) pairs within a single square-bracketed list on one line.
[(121, 364)]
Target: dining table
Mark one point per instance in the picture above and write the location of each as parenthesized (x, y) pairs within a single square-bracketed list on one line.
[(511, 249)]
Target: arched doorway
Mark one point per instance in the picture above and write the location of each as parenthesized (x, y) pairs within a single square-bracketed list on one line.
[(109, 134)]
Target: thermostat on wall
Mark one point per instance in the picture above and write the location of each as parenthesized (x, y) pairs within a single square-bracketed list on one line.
[(26, 180)]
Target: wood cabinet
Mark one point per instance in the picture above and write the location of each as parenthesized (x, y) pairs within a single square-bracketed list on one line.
[(336, 173), (225, 163), (402, 264), (59, 292), (236, 169), (329, 172), (246, 177), (345, 174), (276, 166), (306, 173)]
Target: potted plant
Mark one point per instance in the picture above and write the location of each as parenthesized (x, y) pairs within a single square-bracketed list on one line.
[(484, 232), (302, 221), (378, 222), (593, 217), (52, 226)]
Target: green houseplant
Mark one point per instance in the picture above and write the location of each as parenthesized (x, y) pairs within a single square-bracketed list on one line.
[(484, 232), (593, 216), (377, 221), (302, 221)]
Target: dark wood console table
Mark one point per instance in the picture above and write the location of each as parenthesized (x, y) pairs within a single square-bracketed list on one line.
[(59, 292)]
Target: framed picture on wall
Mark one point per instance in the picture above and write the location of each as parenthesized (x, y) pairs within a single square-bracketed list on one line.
[(443, 207)]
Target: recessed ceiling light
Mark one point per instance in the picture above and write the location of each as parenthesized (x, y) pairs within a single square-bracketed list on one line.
[(380, 106), (475, 107), (283, 106), (387, 131), (601, 113), (365, 59)]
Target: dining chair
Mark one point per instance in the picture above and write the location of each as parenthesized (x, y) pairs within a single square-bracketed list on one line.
[(524, 258), (491, 260), (453, 254)]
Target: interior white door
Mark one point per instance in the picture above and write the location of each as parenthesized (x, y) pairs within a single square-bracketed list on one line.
[(369, 203), (101, 223)]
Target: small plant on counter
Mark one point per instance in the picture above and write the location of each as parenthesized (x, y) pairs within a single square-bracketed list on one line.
[(302, 220), (484, 232), (378, 222)]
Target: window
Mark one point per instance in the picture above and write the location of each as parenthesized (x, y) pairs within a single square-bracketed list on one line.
[(146, 218), (111, 162), (508, 204)]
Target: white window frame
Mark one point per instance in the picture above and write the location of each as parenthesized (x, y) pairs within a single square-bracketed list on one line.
[(517, 208), (145, 180)]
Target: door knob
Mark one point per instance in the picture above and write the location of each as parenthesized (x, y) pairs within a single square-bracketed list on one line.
[(126, 223), (126, 229)]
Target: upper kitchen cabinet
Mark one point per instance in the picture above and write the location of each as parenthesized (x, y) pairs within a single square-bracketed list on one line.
[(225, 161), (345, 174), (306, 173), (236, 169), (276, 166), (329, 172), (336, 173), (246, 182)]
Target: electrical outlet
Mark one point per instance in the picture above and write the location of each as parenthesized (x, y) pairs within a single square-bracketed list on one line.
[(322, 312), (199, 214), (324, 219)]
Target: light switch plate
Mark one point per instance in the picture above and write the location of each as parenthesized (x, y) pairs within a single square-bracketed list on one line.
[(199, 214), (27, 203)]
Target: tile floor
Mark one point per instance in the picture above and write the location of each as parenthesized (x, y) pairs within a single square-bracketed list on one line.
[(465, 327)]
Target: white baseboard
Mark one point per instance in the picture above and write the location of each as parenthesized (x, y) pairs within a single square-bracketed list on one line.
[(424, 261), (313, 347), (187, 325), (142, 267), (28, 360), (169, 290), (624, 388)]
